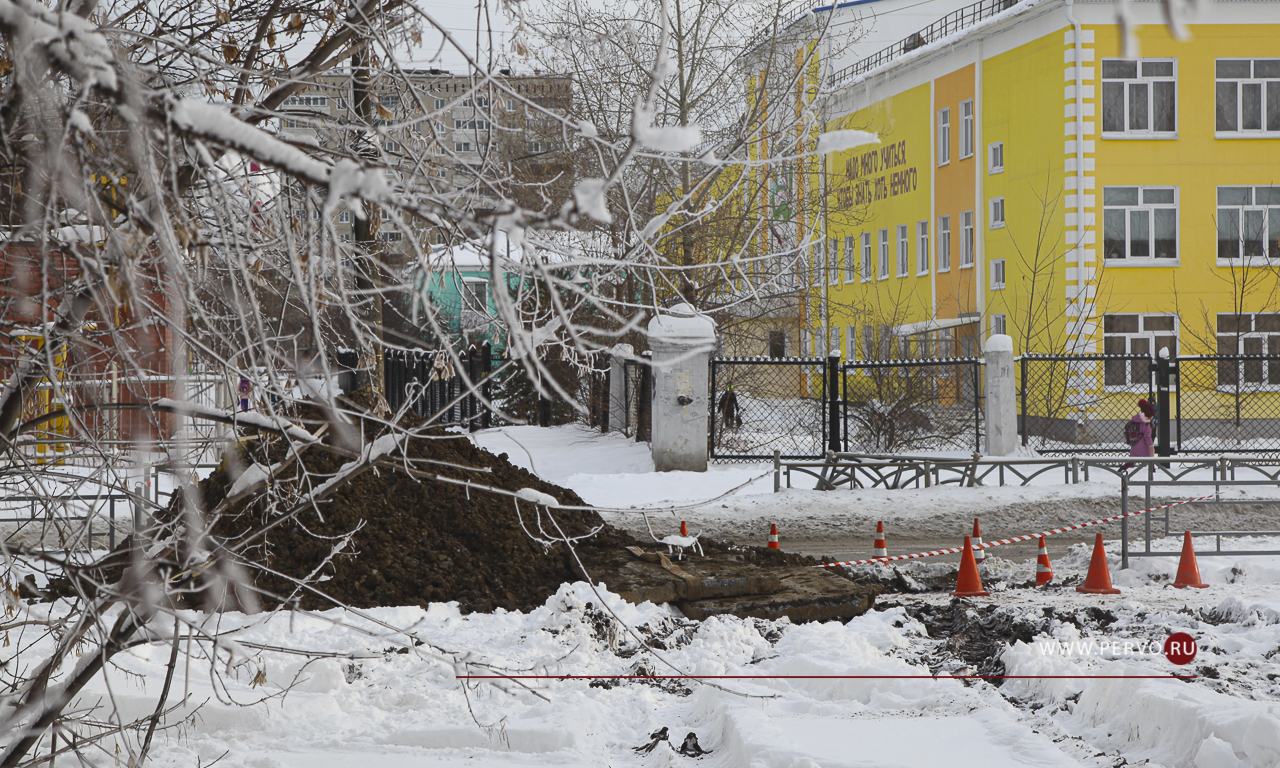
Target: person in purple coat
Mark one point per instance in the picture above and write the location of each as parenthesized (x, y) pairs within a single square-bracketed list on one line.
[(1137, 431)]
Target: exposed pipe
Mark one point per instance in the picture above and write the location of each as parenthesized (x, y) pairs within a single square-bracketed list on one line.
[(1081, 296)]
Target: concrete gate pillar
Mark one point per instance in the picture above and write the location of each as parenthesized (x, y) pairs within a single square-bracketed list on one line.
[(682, 341), (1001, 393)]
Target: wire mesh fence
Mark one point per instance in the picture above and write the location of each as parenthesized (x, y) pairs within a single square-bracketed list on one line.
[(761, 405), (893, 406), (1080, 403), (1228, 403)]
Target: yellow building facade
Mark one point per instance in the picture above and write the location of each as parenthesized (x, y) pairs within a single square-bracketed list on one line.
[(1107, 206)]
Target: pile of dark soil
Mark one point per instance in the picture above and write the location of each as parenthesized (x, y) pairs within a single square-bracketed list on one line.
[(418, 541)]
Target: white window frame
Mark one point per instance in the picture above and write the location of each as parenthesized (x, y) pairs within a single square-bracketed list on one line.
[(884, 254), (850, 259), (868, 342), (944, 243), (866, 257), (1151, 339), (851, 343), (1267, 79), (997, 274), (441, 103), (1133, 213), (922, 248), (833, 344), (904, 250), (1266, 224), (966, 129), (344, 217), (966, 240), (995, 212), (390, 237), (1129, 86), (464, 146), (999, 326), (995, 157), (818, 258), (833, 261), (944, 136)]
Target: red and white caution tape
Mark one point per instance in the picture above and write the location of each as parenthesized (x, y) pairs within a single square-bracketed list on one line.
[(1014, 540)]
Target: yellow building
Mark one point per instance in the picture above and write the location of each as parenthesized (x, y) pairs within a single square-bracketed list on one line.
[(1034, 181)]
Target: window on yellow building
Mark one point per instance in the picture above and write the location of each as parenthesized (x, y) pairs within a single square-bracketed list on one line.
[(1249, 223), (966, 239), (1139, 96), (966, 129), (995, 157), (904, 247), (884, 254), (833, 346), (997, 213), (833, 261), (1248, 335), (866, 256), (944, 136), (851, 342), (819, 263), (1140, 222), (868, 342), (922, 248), (850, 260), (997, 274), (1247, 96), (1143, 335), (998, 325), (944, 243)]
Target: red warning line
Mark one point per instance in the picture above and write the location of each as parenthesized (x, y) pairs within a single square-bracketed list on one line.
[(826, 677), (1015, 539)]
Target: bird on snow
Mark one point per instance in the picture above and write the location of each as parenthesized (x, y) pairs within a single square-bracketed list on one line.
[(691, 748), (655, 737)]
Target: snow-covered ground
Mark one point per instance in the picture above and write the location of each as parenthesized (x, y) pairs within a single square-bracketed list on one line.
[(875, 691), (386, 706), (736, 501)]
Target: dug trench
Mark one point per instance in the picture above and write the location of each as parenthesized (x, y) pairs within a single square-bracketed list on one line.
[(406, 540)]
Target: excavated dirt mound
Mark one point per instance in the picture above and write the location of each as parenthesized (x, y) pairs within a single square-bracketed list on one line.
[(419, 541)]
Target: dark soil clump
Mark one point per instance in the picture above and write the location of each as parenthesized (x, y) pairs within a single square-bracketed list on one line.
[(416, 541)]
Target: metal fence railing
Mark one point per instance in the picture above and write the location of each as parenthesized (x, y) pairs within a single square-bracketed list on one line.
[(891, 406), (948, 25), (760, 405)]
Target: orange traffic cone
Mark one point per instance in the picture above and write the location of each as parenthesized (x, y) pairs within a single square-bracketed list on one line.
[(979, 555), (773, 536), (969, 583), (1188, 569), (1098, 581), (878, 549), (684, 528), (1044, 571)]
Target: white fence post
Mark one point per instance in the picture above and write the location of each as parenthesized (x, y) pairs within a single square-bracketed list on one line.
[(1001, 395)]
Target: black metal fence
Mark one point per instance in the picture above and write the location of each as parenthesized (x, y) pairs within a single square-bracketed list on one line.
[(430, 383), (892, 406), (1078, 404), (760, 405)]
